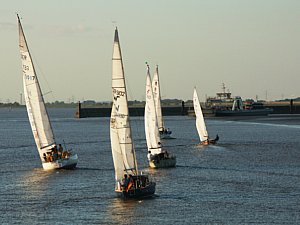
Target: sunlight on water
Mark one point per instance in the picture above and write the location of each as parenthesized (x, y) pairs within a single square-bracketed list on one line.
[(252, 176)]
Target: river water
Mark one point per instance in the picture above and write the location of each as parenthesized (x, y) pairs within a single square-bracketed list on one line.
[(252, 176)]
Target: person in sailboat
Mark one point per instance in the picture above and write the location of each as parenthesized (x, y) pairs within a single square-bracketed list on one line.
[(45, 157), (211, 141), (130, 182), (206, 142), (217, 138), (166, 154), (49, 157), (124, 181), (163, 154), (60, 151), (165, 131), (214, 141), (55, 154), (149, 155)]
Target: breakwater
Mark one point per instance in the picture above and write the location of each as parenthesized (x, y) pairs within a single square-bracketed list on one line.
[(278, 108), (82, 112)]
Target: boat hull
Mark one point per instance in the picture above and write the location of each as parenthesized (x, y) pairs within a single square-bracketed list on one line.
[(163, 163), (69, 163), (209, 142), (143, 192), (166, 135)]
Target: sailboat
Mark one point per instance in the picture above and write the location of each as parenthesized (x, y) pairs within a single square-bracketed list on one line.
[(156, 156), (165, 133), (51, 156), (129, 182), (200, 123)]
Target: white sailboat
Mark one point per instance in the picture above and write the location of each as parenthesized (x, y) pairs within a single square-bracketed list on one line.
[(156, 156), (165, 133), (200, 123), (129, 183), (51, 156)]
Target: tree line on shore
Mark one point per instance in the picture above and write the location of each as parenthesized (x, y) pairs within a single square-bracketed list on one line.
[(92, 103)]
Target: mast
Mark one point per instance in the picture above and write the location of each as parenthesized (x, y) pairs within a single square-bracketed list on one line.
[(36, 109), (120, 130), (157, 99)]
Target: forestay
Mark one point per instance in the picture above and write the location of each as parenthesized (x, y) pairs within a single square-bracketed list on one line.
[(200, 124), (120, 131)]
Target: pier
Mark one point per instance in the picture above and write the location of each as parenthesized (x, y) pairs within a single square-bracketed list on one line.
[(185, 109), (83, 112)]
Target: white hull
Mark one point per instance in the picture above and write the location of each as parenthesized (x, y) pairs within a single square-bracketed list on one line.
[(163, 163), (68, 163)]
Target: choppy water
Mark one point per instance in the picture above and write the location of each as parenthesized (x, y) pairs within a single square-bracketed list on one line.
[(251, 177)]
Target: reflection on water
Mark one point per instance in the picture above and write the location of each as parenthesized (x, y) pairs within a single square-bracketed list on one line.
[(128, 211), (35, 183), (122, 211)]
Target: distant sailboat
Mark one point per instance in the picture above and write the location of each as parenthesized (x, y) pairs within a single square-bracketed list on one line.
[(51, 156), (156, 156), (200, 123), (129, 183), (165, 133)]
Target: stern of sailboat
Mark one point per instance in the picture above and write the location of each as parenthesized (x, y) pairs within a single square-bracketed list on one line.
[(141, 187), (165, 162), (65, 163)]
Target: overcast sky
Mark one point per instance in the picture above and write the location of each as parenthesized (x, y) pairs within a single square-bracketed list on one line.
[(253, 46)]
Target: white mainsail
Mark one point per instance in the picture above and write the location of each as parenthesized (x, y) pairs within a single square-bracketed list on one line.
[(200, 124), (151, 127), (120, 130), (157, 99), (37, 113)]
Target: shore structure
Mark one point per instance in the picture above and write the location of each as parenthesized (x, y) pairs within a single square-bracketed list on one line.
[(186, 109)]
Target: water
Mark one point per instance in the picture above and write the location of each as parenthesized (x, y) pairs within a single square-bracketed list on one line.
[(251, 177)]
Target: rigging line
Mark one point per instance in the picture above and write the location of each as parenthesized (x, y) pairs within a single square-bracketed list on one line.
[(46, 93), (43, 75), (47, 145), (139, 117)]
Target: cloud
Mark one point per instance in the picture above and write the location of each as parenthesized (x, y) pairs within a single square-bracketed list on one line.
[(78, 29), (7, 26)]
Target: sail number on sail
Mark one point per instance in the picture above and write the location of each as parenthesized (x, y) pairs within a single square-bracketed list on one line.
[(117, 92), (26, 68), (23, 57), (29, 77)]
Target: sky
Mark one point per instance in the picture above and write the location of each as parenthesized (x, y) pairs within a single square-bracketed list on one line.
[(252, 46)]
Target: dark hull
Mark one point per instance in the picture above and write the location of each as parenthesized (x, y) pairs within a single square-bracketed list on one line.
[(69, 167), (144, 192), (165, 134), (246, 112), (163, 163)]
